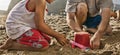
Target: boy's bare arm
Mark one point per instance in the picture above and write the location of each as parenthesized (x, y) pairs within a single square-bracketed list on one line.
[(42, 26)]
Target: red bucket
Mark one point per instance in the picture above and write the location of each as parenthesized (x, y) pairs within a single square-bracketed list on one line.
[(82, 38)]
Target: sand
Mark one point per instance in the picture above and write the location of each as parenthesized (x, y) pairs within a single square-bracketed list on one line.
[(111, 44)]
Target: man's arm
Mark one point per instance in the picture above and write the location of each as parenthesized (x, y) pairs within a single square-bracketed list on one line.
[(105, 20), (42, 26), (95, 40), (105, 6)]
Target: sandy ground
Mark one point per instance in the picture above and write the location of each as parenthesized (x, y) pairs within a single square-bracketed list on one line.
[(58, 23)]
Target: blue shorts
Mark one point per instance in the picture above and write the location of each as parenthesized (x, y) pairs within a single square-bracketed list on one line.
[(92, 22)]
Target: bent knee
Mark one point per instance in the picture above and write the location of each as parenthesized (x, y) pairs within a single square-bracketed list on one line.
[(82, 7)]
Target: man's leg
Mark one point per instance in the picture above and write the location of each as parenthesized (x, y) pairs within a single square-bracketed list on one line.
[(91, 30), (81, 14), (72, 23), (107, 32)]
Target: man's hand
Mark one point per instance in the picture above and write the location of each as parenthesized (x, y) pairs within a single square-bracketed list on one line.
[(95, 41)]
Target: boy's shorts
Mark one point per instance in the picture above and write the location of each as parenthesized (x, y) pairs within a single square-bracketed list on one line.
[(34, 38), (92, 22)]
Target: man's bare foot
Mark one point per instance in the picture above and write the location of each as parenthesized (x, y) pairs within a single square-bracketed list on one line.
[(95, 40)]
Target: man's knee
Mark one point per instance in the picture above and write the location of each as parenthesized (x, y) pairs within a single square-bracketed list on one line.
[(82, 8)]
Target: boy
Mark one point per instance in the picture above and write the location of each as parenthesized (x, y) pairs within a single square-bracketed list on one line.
[(87, 12), (26, 28)]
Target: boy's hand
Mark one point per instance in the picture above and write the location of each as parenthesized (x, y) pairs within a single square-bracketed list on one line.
[(62, 40)]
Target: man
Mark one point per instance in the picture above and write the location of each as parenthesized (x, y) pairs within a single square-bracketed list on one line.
[(94, 14), (26, 28)]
